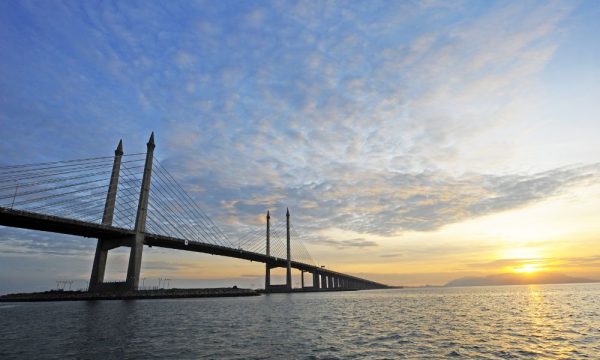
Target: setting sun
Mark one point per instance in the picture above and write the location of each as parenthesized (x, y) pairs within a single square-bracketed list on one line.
[(527, 268)]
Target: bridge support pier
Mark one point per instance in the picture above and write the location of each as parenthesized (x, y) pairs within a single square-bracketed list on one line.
[(135, 262), (99, 266), (321, 283)]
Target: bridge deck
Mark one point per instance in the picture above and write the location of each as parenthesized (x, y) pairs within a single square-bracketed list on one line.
[(35, 221)]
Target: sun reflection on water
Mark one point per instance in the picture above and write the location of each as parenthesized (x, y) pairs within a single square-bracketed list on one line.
[(546, 322)]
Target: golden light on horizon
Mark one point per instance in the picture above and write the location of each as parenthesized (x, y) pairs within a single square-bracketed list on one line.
[(522, 253), (527, 268)]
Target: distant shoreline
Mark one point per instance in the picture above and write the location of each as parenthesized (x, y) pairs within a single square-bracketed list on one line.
[(494, 285), (541, 278), (59, 295)]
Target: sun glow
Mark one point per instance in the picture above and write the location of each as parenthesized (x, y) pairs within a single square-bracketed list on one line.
[(522, 253), (527, 268)]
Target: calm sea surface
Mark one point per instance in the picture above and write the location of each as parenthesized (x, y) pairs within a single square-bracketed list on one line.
[(545, 321)]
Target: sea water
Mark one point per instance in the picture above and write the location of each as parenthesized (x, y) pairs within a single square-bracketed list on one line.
[(504, 322)]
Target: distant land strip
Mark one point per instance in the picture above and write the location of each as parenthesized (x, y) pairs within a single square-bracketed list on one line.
[(60, 295)]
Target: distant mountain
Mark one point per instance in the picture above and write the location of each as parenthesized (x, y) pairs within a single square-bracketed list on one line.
[(519, 279)]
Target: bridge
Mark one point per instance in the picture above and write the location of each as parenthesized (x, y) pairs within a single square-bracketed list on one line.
[(133, 201)]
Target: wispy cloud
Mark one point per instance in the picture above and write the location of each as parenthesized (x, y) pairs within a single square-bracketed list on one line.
[(18, 243), (351, 243), (503, 263), (391, 255), (388, 203)]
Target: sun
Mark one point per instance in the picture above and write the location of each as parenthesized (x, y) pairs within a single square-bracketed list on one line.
[(527, 269)]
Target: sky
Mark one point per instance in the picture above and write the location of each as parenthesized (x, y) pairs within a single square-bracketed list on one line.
[(415, 142)]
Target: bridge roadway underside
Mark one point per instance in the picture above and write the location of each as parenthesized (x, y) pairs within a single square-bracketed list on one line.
[(329, 280)]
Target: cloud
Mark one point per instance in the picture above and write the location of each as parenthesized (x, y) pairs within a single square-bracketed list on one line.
[(388, 203), (252, 276), (352, 243), (163, 265), (33, 243), (592, 261), (391, 255), (501, 263)]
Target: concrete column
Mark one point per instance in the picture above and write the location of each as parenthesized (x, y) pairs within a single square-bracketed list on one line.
[(323, 281), (315, 281), (289, 254), (302, 278), (330, 282), (268, 253), (99, 266), (137, 246)]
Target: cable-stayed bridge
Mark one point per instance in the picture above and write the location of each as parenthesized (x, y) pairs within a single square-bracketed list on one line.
[(131, 200)]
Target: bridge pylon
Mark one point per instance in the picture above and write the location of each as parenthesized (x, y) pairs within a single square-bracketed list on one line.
[(288, 261), (103, 245), (288, 278), (136, 242), (137, 246), (268, 253)]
